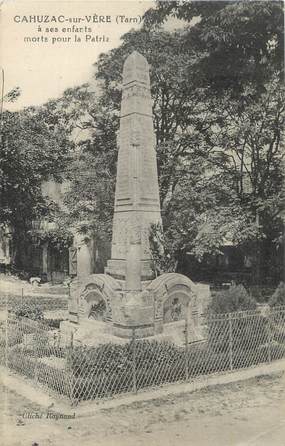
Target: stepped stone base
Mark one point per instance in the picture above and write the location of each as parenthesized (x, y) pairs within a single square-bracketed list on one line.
[(95, 333), (88, 332)]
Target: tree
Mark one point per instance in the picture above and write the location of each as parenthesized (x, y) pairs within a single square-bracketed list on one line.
[(174, 101), (218, 135), (238, 43), (92, 126), (239, 135), (32, 149), (94, 118)]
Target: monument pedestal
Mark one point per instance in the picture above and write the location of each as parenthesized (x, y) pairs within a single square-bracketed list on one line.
[(100, 305), (93, 333), (133, 313), (88, 332)]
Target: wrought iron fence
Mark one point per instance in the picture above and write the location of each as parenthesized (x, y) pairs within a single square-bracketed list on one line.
[(234, 341)]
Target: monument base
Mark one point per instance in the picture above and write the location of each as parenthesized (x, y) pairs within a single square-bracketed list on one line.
[(102, 310), (127, 332), (89, 333), (95, 333)]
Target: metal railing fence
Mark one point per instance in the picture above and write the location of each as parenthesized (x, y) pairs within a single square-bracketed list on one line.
[(80, 373), (51, 302)]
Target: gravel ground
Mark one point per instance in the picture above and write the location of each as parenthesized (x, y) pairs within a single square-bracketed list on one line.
[(14, 286), (241, 414)]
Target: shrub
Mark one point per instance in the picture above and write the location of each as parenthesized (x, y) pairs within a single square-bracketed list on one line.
[(248, 332), (236, 298), (261, 294), (108, 369), (277, 314), (21, 363), (13, 337), (238, 332), (53, 323), (278, 297), (29, 311), (100, 372), (54, 378)]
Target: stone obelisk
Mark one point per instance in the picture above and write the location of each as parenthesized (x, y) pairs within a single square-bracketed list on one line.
[(137, 194), (130, 298)]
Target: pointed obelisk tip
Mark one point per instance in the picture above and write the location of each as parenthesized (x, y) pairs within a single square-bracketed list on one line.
[(136, 68), (136, 57)]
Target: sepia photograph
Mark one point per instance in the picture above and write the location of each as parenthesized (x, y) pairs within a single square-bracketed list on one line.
[(142, 242)]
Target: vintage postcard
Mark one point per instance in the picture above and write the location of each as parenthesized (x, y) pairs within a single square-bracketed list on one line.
[(142, 294)]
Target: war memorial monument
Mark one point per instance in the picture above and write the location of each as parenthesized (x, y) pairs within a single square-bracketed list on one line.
[(128, 296)]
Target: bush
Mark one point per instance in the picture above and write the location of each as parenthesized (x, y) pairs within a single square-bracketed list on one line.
[(248, 331), (53, 323), (13, 337), (54, 378), (261, 294), (29, 311), (240, 332), (25, 363), (21, 363), (277, 314), (108, 369), (100, 372), (278, 297), (236, 298)]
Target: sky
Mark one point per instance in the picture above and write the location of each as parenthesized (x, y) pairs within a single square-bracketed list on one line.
[(43, 70)]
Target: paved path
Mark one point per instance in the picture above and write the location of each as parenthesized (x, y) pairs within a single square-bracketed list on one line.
[(248, 413)]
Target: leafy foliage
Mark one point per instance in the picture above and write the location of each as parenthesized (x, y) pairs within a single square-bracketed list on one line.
[(238, 42), (235, 193), (278, 297), (59, 236), (218, 107), (162, 257), (234, 299), (32, 149), (31, 312), (244, 333)]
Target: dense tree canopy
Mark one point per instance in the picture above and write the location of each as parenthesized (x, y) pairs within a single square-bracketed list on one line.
[(238, 42), (32, 150), (218, 107), (218, 117)]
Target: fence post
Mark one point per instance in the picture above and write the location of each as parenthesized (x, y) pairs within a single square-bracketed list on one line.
[(69, 369), (268, 337), (230, 341), (186, 350), (36, 339), (7, 343), (134, 360)]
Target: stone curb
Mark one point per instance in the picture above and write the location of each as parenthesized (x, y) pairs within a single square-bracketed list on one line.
[(180, 388), (28, 389)]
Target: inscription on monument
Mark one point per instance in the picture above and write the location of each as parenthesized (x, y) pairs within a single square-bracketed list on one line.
[(137, 196)]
